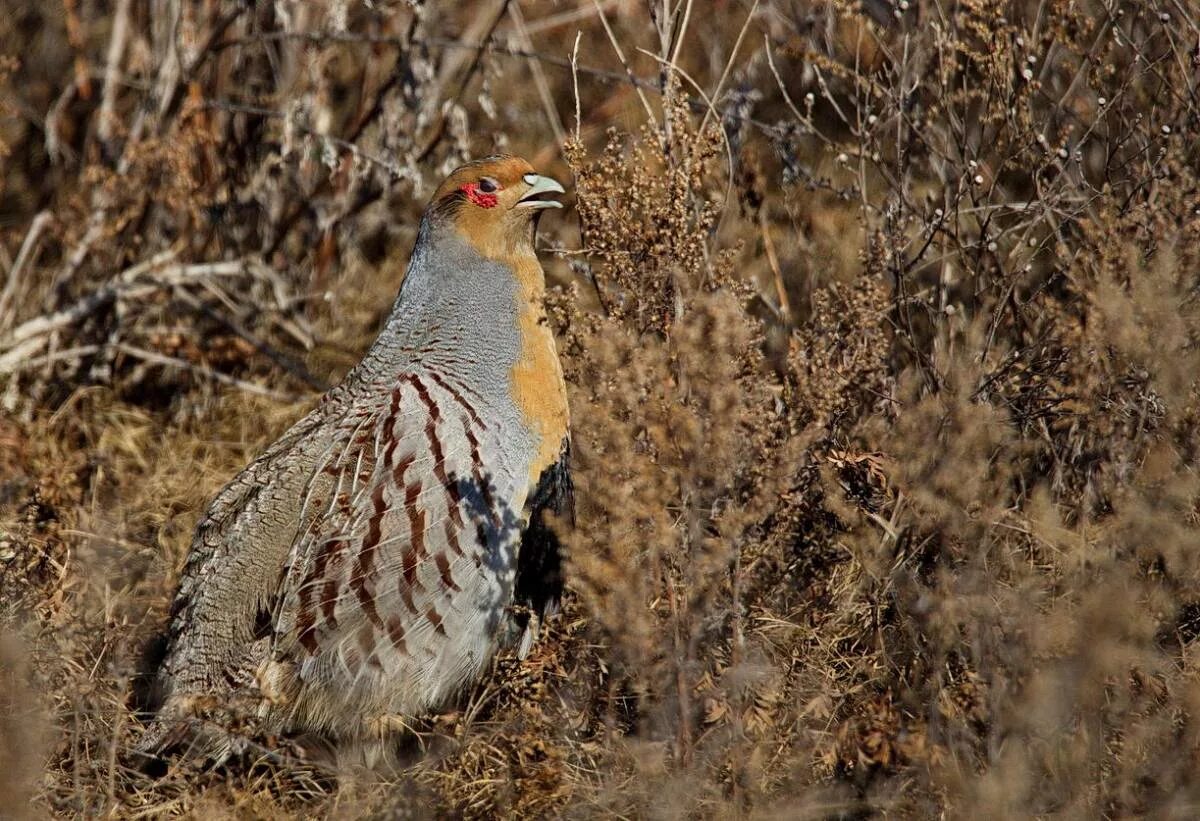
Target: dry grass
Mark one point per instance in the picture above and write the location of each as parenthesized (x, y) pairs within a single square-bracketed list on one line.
[(880, 329)]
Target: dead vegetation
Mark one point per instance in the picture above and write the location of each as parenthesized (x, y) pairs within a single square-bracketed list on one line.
[(880, 325)]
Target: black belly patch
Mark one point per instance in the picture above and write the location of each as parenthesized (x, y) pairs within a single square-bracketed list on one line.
[(539, 566)]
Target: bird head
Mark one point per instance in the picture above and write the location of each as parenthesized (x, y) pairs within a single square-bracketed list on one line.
[(495, 203)]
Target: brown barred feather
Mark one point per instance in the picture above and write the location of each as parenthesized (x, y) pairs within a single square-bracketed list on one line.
[(370, 559)]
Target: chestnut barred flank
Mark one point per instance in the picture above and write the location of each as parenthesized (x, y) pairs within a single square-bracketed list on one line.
[(369, 558), (878, 326)]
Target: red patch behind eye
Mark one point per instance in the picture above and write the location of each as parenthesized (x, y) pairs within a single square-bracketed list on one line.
[(480, 198)]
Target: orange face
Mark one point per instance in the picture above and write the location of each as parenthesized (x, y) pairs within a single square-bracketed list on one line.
[(493, 202)]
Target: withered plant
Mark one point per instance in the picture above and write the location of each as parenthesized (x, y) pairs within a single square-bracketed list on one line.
[(879, 321)]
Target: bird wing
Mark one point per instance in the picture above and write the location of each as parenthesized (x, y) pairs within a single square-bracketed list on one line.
[(229, 581), (232, 567), (407, 564)]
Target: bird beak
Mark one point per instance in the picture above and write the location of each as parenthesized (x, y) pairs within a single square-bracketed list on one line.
[(539, 185)]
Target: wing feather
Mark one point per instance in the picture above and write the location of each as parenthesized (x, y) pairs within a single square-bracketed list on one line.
[(394, 580)]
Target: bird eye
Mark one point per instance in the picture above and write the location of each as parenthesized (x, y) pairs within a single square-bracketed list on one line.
[(488, 185)]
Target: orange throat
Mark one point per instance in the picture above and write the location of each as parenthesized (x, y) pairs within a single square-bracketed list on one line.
[(537, 380)]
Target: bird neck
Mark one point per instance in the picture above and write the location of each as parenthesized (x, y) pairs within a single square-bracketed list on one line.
[(471, 314), (478, 323), (536, 377)]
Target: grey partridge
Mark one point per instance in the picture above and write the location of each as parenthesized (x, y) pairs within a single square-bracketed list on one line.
[(366, 567)]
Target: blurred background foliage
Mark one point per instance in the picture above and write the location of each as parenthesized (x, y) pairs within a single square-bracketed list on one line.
[(879, 320)]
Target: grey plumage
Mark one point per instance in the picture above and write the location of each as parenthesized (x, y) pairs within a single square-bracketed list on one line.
[(360, 571)]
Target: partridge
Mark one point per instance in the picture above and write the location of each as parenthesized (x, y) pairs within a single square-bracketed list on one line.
[(366, 567)]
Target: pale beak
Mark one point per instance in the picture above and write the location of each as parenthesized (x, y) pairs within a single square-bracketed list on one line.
[(539, 185)]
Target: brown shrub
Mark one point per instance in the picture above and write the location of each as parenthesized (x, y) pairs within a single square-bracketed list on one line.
[(881, 340)]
